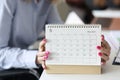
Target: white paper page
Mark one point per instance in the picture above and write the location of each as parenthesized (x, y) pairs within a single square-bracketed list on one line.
[(73, 44), (73, 18)]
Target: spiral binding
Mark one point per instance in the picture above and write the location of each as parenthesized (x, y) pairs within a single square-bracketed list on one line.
[(73, 26)]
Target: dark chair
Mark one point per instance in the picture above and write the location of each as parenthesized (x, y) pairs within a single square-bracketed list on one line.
[(21, 74)]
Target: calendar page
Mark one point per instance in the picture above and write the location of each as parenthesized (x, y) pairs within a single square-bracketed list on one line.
[(73, 44)]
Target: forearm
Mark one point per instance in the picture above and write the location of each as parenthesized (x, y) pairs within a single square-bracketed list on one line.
[(17, 58)]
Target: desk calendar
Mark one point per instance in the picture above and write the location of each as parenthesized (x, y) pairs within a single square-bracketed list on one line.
[(73, 47)]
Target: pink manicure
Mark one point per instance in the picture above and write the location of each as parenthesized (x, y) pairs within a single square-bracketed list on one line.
[(47, 52), (45, 57), (100, 54), (44, 40), (99, 47)]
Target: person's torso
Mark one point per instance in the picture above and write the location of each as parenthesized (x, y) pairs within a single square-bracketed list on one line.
[(29, 20)]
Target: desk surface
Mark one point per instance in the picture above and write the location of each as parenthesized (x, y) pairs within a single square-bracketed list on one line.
[(109, 72), (107, 23), (106, 13), (109, 19)]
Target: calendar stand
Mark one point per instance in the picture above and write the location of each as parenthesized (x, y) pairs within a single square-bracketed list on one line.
[(73, 49), (72, 69)]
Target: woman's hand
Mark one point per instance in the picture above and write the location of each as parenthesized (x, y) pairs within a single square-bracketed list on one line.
[(105, 50), (42, 55)]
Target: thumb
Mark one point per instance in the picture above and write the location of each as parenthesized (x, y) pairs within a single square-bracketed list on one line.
[(44, 65), (42, 44)]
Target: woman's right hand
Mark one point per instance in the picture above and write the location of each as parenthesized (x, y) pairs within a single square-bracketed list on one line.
[(42, 55)]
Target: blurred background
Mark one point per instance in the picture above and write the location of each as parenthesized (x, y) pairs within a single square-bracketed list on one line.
[(104, 12)]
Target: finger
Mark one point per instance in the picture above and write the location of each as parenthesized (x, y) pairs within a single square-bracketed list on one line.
[(103, 38), (40, 54), (42, 58), (42, 49), (103, 62), (44, 65), (42, 44), (98, 47), (104, 57), (108, 46), (105, 51), (105, 44)]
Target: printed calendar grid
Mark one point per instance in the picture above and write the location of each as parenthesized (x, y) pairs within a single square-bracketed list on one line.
[(73, 46)]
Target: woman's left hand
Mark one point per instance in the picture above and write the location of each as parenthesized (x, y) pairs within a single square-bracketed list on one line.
[(105, 50)]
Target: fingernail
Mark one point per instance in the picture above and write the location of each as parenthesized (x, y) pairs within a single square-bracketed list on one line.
[(45, 57), (100, 54), (44, 40), (47, 52), (102, 37), (99, 47)]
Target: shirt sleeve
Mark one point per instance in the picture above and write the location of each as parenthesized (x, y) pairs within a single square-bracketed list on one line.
[(53, 16), (9, 56)]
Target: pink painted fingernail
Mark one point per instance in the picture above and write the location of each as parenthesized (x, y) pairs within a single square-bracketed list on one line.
[(47, 52), (44, 40), (99, 47), (100, 54), (45, 57)]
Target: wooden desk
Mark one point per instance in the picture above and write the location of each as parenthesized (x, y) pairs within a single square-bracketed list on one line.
[(109, 72)]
